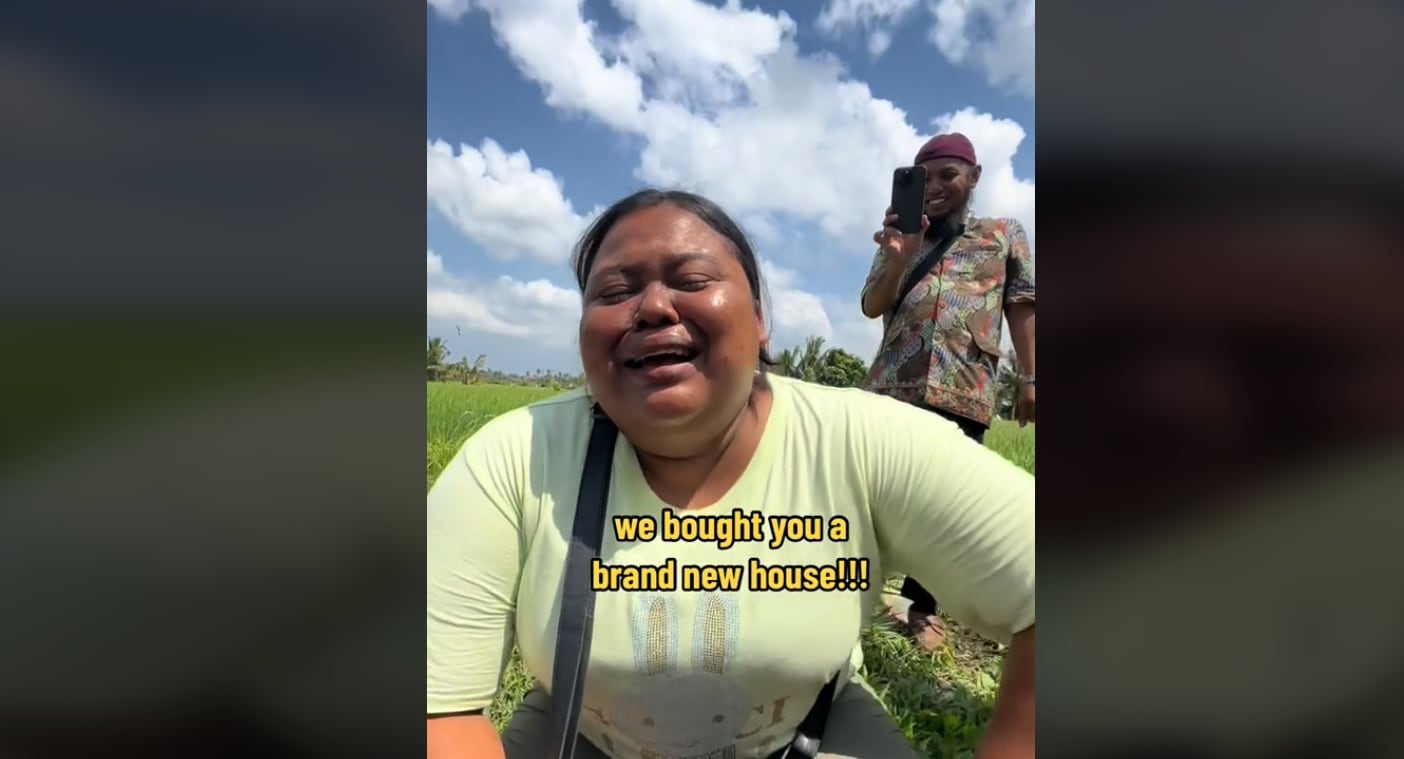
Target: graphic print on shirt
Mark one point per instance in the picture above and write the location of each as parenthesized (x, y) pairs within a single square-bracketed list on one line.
[(683, 713)]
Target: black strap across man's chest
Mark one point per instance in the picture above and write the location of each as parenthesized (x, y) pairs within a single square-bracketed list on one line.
[(927, 263)]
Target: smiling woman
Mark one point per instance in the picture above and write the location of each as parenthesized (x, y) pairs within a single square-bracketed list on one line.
[(672, 331), (673, 342)]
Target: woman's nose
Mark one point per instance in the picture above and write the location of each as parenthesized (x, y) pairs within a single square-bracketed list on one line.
[(655, 305)]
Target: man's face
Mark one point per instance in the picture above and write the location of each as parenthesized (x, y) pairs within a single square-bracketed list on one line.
[(948, 185)]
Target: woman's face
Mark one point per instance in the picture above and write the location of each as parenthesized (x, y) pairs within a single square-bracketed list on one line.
[(670, 329)]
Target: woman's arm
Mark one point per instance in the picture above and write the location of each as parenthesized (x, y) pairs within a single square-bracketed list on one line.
[(474, 547), (955, 515), (958, 518), (1010, 731), (465, 737)]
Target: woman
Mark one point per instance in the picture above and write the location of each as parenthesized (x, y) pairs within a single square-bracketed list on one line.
[(673, 343), (943, 295)]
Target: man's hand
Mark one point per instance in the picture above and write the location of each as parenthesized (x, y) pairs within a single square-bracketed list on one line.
[(895, 244), (1024, 405), (895, 253)]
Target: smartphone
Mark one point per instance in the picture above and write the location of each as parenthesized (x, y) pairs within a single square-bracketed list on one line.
[(909, 197)]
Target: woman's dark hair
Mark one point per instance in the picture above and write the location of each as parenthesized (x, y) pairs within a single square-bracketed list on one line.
[(589, 245)]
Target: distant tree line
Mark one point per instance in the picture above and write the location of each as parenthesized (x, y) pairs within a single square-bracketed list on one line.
[(462, 371), (810, 362), (835, 367)]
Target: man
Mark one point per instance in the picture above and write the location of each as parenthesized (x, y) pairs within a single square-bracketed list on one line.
[(943, 294)]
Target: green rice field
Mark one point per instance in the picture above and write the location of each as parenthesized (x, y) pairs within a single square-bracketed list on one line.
[(941, 700)]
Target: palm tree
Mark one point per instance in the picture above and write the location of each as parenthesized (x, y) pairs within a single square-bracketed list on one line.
[(786, 363), (438, 354), (811, 360), (812, 363)]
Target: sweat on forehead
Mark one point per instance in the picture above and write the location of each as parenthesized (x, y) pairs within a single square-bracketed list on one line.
[(663, 230)]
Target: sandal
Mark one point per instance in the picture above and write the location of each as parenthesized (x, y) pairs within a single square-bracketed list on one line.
[(928, 630)]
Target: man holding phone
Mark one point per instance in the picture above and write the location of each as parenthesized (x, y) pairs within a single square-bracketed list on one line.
[(943, 284)]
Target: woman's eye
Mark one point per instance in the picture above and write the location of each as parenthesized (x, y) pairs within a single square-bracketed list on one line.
[(614, 292), (692, 285)]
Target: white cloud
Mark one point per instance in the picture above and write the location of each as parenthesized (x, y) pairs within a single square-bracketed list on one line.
[(1001, 192), (793, 314), (553, 46), (695, 53), (876, 18), (993, 36), (499, 201), (853, 331), (878, 42), (722, 101), (792, 134), (450, 9), (537, 312), (807, 142)]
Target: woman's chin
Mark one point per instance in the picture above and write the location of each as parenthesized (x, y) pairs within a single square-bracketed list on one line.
[(671, 403)]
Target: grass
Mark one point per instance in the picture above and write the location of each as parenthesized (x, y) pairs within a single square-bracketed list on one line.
[(941, 700)]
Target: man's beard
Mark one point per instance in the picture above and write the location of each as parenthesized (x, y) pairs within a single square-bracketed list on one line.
[(940, 225)]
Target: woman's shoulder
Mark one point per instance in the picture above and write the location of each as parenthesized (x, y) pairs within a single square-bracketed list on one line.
[(548, 419), (844, 411)]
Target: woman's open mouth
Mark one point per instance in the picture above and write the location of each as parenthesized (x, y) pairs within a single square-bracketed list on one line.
[(664, 367), (670, 357)]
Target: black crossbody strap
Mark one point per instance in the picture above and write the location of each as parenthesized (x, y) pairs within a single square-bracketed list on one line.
[(811, 730), (577, 618), (927, 264)]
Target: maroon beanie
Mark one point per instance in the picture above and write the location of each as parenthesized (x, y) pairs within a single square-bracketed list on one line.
[(953, 145)]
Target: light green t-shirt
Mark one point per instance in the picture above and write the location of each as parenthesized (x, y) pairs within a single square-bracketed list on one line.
[(686, 673)]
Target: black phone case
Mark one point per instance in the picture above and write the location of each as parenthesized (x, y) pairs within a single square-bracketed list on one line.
[(909, 197)]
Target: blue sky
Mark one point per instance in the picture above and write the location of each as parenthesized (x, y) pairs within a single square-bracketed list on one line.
[(791, 115)]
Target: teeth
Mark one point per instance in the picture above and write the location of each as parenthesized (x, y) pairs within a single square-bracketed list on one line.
[(663, 355)]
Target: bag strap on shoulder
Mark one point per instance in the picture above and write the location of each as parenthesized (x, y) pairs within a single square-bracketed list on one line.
[(577, 618), (933, 257), (811, 730)]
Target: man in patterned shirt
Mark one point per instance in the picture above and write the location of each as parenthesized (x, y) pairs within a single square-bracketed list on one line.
[(941, 333)]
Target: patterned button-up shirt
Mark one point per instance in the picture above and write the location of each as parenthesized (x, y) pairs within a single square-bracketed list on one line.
[(941, 347)]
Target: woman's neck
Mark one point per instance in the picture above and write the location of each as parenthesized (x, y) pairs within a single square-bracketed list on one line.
[(699, 476)]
